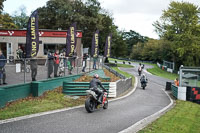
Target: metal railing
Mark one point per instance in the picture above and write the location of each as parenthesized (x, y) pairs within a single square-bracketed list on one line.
[(25, 70)]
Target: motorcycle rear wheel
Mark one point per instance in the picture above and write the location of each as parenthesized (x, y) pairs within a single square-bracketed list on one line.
[(105, 106), (89, 105)]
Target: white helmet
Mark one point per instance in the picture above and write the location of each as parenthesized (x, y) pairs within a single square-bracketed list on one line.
[(96, 76)]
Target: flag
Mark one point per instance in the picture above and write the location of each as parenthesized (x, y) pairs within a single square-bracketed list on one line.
[(32, 36), (71, 40), (95, 44), (107, 50)]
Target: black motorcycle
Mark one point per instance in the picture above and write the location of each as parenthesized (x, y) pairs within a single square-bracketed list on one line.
[(91, 102), (143, 85)]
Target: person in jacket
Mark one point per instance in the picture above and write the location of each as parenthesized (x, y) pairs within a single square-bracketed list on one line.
[(94, 83), (2, 68), (34, 65), (56, 63), (85, 56), (50, 63)]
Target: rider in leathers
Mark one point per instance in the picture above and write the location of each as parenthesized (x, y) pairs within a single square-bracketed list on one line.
[(94, 87)]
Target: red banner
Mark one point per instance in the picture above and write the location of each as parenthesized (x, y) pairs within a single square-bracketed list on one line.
[(42, 33)]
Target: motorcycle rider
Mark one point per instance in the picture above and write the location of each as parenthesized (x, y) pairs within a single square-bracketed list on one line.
[(139, 69), (94, 87), (143, 79)]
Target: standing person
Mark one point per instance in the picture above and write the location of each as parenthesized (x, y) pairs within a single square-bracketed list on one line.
[(50, 63), (19, 52), (2, 68), (85, 56), (94, 62), (56, 63), (139, 69), (176, 82), (33, 64)]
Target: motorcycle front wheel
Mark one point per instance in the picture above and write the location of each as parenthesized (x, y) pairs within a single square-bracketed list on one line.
[(89, 105)]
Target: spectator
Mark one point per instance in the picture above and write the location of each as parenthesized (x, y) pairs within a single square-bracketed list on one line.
[(176, 82), (2, 68), (33, 64), (19, 52), (56, 63), (94, 62), (50, 63), (85, 56)]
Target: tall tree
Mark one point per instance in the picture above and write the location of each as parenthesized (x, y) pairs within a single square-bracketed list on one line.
[(179, 25), (7, 22), (132, 38), (20, 18), (89, 17), (1, 5)]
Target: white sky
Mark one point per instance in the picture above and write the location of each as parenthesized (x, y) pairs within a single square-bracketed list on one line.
[(137, 15)]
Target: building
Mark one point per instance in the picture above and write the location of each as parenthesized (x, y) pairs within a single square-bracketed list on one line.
[(49, 40)]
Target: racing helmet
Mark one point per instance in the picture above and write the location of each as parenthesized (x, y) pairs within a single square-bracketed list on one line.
[(96, 76)]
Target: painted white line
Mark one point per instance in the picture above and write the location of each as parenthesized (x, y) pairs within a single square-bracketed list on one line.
[(144, 122), (61, 110)]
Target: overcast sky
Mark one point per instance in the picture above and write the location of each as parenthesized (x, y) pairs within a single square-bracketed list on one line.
[(137, 15)]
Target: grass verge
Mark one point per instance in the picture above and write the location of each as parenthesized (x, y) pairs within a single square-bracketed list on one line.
[(183, 118), (161, 73), (127, 75), (51, 100)]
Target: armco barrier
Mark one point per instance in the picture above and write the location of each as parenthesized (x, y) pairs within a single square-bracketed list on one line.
[(37, 88), (179, 92), (193, 94), (114, 88), (14, 92), (175, 91), (79, 88)]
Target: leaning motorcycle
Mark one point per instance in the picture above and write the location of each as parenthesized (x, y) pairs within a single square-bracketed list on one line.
[(143, 85), (91, 102)]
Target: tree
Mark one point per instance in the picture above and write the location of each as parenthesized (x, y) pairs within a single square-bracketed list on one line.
[(89, 17), (7, 22), (132, 38), (22, 19), (179, 26), (1, 5)]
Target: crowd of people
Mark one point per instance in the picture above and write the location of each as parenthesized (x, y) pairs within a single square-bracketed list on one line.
[(56, 63)]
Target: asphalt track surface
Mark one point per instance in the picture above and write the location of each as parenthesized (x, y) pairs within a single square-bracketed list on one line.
[(120, 114)]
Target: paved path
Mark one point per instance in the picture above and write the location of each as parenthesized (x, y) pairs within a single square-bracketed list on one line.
[(120, 115)]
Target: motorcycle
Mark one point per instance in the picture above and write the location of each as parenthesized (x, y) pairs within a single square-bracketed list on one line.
[(143, 85), (91, 102)]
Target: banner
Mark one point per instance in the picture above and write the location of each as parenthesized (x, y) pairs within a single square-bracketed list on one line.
[(95, 44), (71, 40), (32, 36), (107, 50)]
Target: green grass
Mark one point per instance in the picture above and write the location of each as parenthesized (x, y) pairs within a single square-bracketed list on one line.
[(127, 75), (124, 65), (159, 72), (183, 118), (49, 101)]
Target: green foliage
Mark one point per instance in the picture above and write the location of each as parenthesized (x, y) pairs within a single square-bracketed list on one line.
[(20, 18), (183, 118), (7, 22), (89, 17), (180, 27), (1, 5), (132, 38)]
